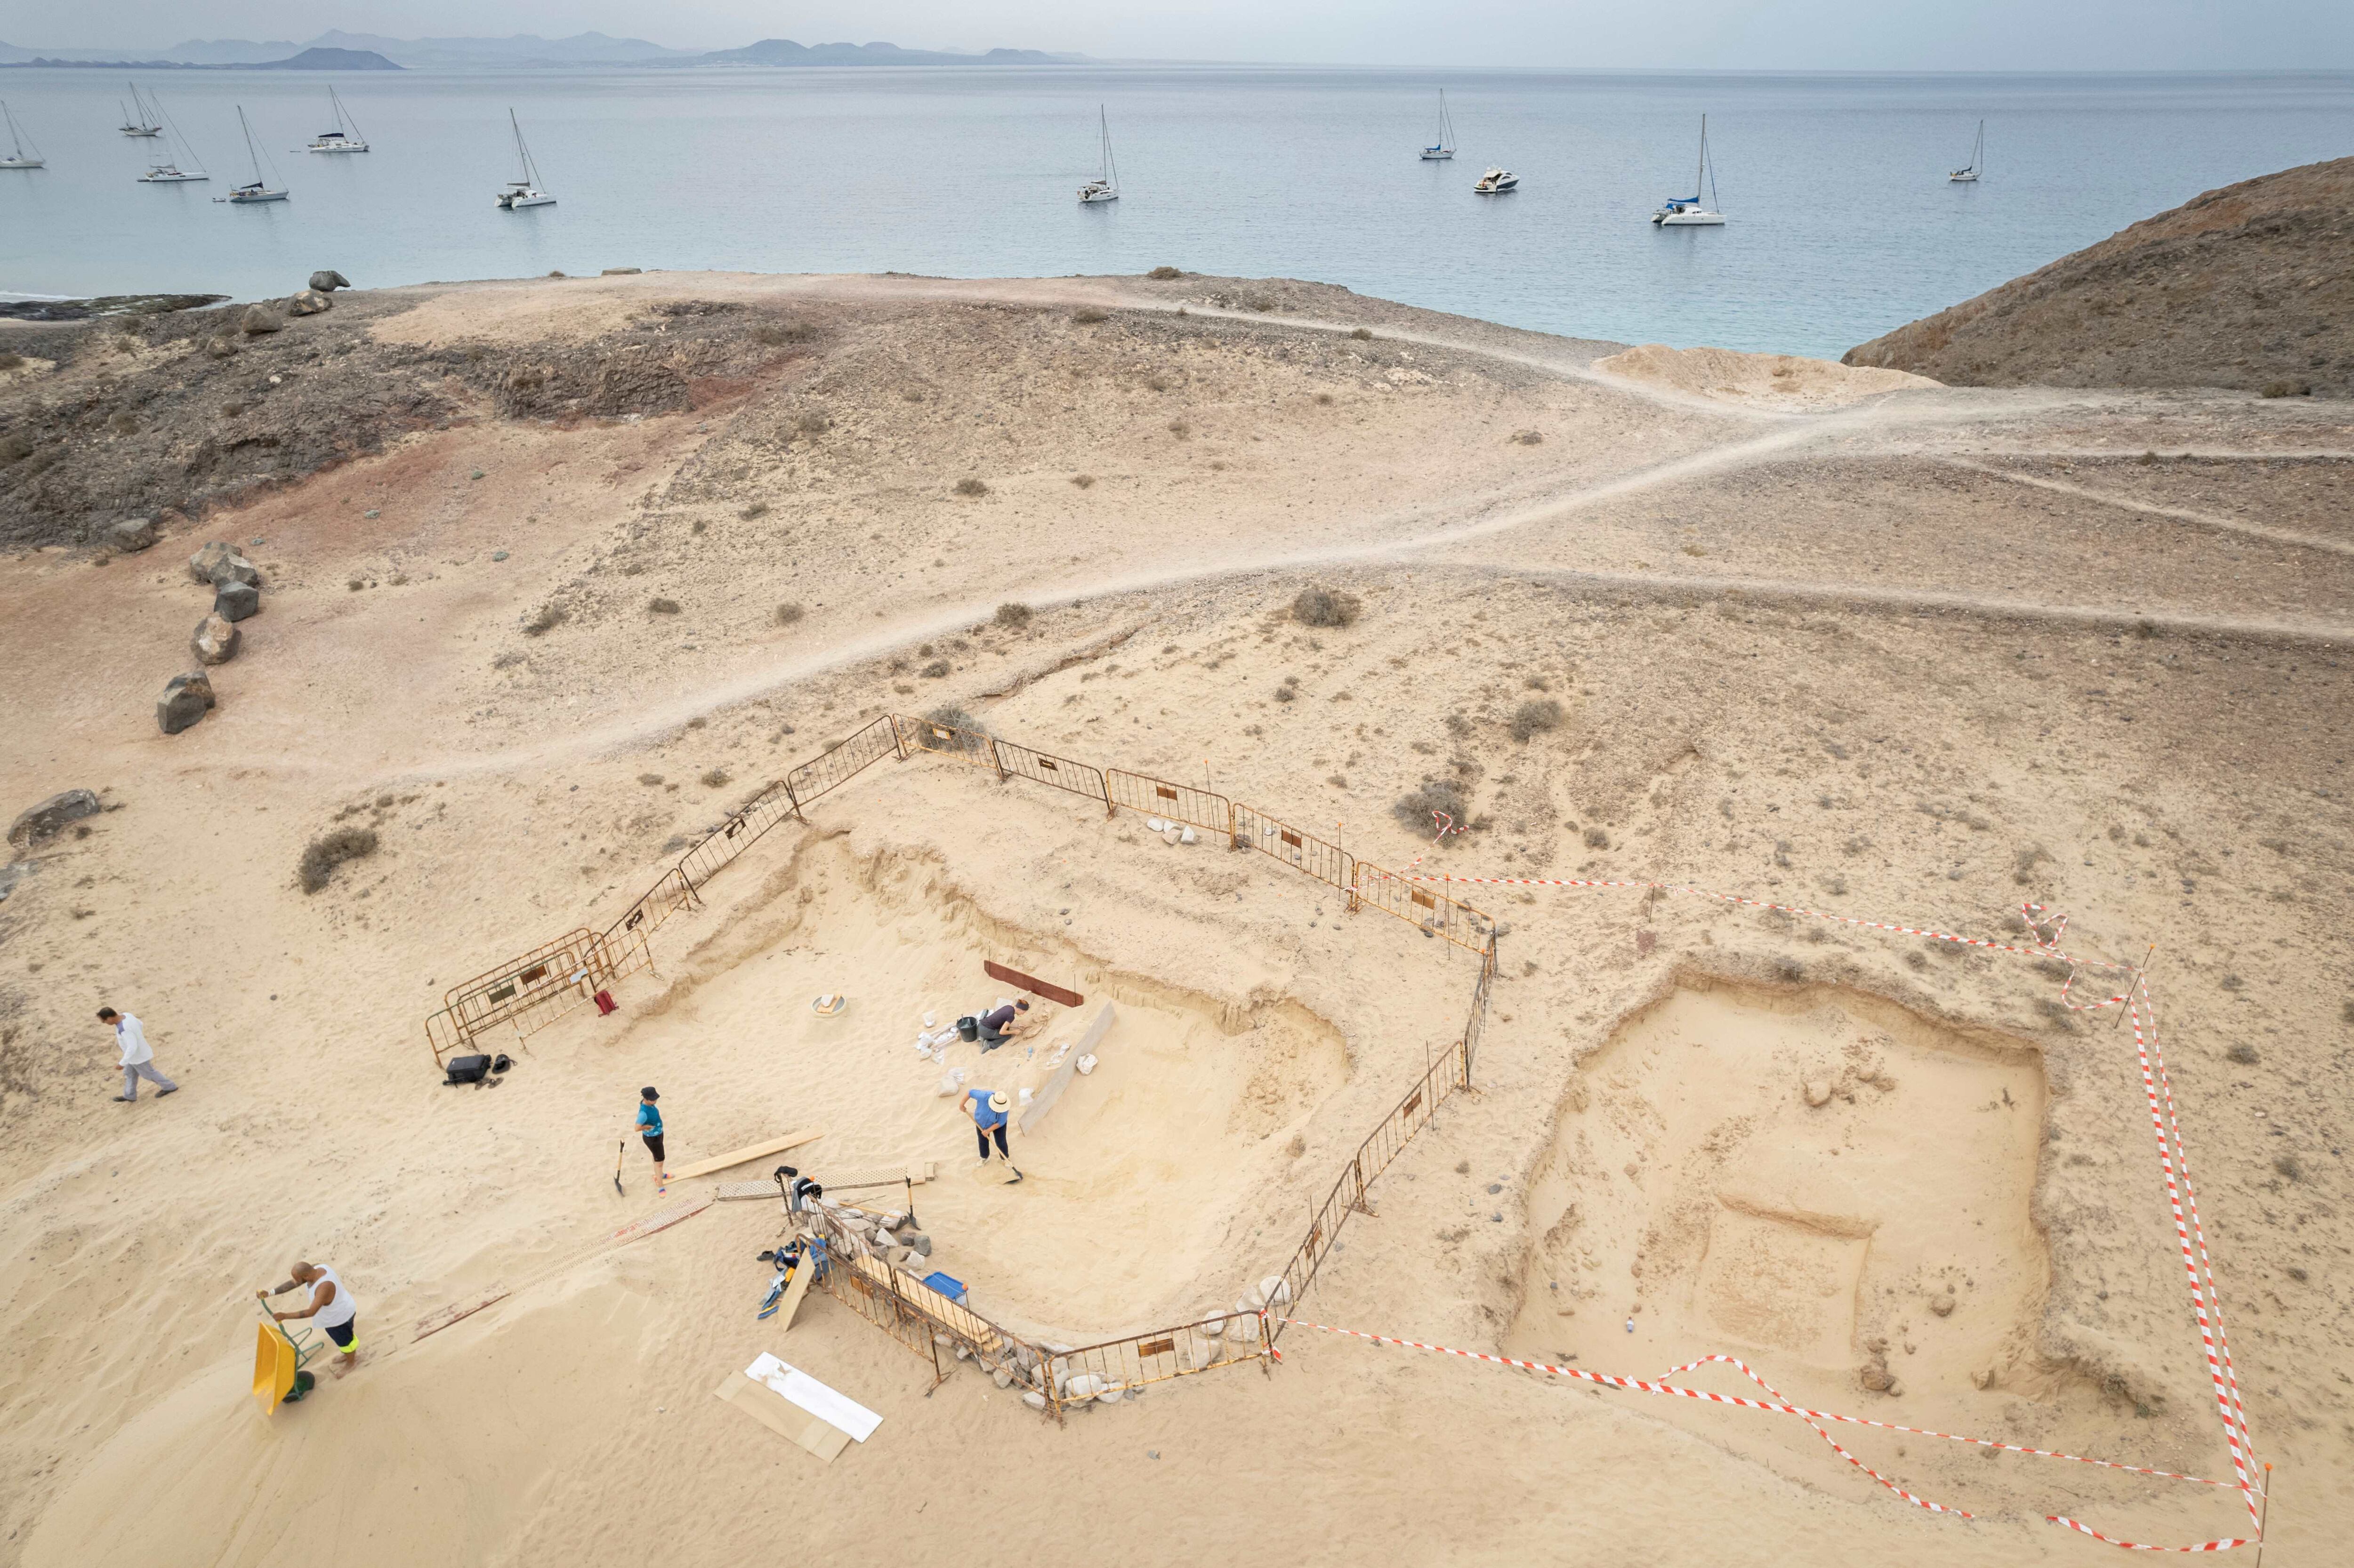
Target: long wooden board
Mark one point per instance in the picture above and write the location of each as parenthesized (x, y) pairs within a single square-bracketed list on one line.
[(738, 1156), (1031, 983)]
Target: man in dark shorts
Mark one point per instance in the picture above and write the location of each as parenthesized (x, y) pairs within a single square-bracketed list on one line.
[(332, 1308), (990, 1109), (1002, 1024), (649, 1125)]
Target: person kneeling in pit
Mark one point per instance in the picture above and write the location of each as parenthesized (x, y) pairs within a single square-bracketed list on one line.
[(988, 1112), (1002, 1024)]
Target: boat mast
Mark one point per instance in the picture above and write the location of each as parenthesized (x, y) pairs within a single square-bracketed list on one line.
[(1701, 172), (15, 140), (251, 156)]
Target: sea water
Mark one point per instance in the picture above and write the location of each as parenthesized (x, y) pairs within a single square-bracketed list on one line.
[(1842, 223)]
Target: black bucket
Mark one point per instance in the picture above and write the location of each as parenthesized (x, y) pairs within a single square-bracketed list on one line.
[(968, 1028)]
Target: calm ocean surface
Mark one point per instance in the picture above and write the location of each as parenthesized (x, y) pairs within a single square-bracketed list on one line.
[(1842, 224)]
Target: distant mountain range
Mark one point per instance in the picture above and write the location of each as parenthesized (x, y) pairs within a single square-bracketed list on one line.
[(337, 50)]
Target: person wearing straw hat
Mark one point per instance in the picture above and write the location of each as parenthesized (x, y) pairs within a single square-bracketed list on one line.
[(990, 1108)]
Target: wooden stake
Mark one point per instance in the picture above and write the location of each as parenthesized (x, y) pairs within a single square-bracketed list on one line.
[(2264, 1516)]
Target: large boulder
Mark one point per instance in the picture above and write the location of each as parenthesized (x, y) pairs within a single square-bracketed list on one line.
[(131, 535), (309, 302), (211, 559), (214, 640), (186, 699), (236, 601), (38, 823), (260, 318), (328, 280)]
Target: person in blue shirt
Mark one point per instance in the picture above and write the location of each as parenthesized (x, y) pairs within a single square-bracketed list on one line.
[(989, 1110), (649, 1125)]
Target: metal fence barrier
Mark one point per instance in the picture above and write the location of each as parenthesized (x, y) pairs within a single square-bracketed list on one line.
[(1175, 802), (1305, 852), (527, 993)]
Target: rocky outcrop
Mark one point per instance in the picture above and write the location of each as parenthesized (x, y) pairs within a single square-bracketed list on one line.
[(186, 699), (219, 562), (131, 535), (52, 816), (327, 280), (309, 302), (259, 319)]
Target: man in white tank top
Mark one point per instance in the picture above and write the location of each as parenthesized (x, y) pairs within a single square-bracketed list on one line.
[(332, 1308)]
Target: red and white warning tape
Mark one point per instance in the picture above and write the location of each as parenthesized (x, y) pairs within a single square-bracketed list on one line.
[(2048, 928)]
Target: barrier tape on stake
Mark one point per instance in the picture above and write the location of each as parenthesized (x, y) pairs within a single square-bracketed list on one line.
[(2174, 1167)]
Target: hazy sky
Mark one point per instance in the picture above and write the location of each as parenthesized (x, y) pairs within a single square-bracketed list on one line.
[(1848, 35)]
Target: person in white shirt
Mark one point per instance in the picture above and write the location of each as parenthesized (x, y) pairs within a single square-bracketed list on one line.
[(138, 1060), (332, 1308)]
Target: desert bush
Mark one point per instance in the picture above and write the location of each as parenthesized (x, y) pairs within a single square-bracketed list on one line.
[(2243, 1053), (1322, 606), (774, 335), (1164, 273), (15, 447), (787, 613), (1014, 615), (715, 778), (2287, 389), (971, 487), (1179, 428), (1415, 807), (1083, 480), (1529, 437), (11, 361), (701, 525), (650, 778), (759, 509), (1362, 334), (1596, 839), (813, 423), (1088, 315), (663, 606), (1324, 400), (2287, 1166), (1534, 717), (966, 733), (123, 425), (544, 619), (330, 850), (935, 670)]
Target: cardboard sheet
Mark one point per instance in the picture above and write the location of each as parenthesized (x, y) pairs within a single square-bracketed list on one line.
[(788, 1421)]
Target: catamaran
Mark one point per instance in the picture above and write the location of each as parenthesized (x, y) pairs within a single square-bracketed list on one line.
[(140, 119), (185, 168), (1686, 212), (344, 138), (1105, 187), (257, 189), (17, 157), (1969, 176), (524, 189), (1495, 182), (1443, 148)]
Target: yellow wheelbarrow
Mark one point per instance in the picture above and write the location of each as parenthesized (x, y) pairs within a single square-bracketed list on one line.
[(279, 1357)]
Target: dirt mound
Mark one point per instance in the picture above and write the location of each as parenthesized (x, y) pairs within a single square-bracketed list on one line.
[(1777, 380), (2244, 287)]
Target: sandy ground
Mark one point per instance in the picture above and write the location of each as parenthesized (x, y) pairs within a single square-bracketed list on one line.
[(1915, 657)]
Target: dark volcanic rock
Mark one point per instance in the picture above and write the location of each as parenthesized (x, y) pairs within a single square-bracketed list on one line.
[(186, 699), (38, 823), (236, 601)]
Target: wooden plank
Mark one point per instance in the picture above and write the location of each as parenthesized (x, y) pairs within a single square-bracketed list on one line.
[(738, 1156), (795, 1288), (996, 970), (782, 1416)]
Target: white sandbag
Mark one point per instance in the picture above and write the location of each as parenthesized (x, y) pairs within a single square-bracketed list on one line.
[(1028, 1094), (949, 1084), (1213, 1323), (1156, 824), (1273, 1291), (1109, 1396), (1086, 1064), (1034, 1400), (1083, 1385), (1187, 836), (1169, 835), (931, 1020)]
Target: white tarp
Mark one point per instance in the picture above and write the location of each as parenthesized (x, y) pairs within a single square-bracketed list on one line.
[(829, 1407)]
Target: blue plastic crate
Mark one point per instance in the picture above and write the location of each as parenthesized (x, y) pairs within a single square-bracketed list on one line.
[(946, 1285)]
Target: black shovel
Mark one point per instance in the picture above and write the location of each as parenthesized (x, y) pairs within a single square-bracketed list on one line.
[(620, 1153)]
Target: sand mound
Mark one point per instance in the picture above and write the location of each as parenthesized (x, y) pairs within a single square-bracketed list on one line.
[(1780, 380), (2247, 286)]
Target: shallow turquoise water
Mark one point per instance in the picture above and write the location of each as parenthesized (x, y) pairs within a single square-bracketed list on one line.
[(1842, 222)]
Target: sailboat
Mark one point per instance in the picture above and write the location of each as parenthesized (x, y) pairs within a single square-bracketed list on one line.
[(169, 171), (258, 190), (1969, 175), (139, 120), (1105, 187), (1443, 148), (1686, 212), (343, 138), (524, 189), (17, 157)]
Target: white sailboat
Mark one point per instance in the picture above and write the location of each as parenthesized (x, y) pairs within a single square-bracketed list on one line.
[(524, 189), (179, 166), (1686, 212), (1969, 175), (257, 189), (346, 137), (140, 119), (1497, 181), (17, 157), (1105, 187), (1443, 148)]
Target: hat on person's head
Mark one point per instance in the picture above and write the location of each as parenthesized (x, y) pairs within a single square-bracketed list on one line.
[(998, 1102), (647, 1093)]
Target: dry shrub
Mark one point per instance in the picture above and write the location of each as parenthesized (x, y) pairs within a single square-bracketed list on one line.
[(1529, 437), (936, 669), (544, 619), (966, 733), (1087, 316), (1014, 615), (1534, 717), (757, 510), (2243, 1053), (663, 606), (812, 423), (715, 778), (1362, 334), (1324, 400), (330, 850), (774, 335), (1179, 428), (1164, 273), (1596, 839), (1083, 480), (1322, 606), (789, 613), (650, 778), (1415, 807), (971, 487)]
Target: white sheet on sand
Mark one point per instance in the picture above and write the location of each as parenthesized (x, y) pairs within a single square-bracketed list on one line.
[(835, 1409)]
